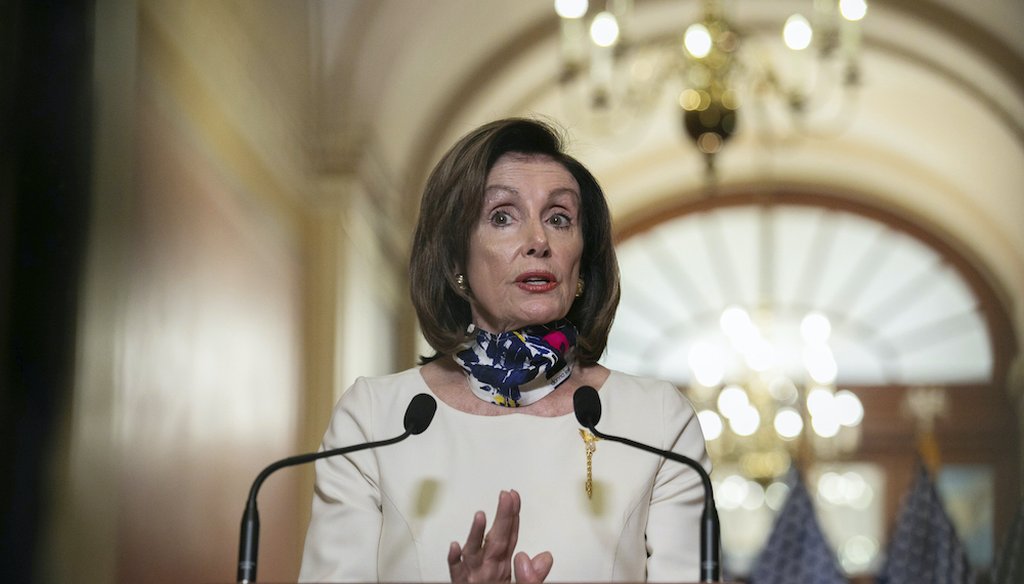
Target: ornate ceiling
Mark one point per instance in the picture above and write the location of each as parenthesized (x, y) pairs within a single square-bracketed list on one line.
[(937, 138)]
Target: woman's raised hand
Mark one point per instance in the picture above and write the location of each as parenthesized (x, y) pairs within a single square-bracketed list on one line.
[(490, 558)]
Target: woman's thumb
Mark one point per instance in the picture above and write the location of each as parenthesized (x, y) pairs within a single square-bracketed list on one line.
[(534, 569)]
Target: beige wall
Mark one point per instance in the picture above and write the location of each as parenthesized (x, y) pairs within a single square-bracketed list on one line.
[(207, 329)]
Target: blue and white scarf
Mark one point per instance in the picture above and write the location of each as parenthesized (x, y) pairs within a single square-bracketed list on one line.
[(517, 368)]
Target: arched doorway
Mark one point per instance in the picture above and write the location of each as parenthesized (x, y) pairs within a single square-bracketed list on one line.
[(906, 310)]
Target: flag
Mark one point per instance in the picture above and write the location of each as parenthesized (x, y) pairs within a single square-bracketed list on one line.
[(1009, 566), (797, 550), (924, 547)]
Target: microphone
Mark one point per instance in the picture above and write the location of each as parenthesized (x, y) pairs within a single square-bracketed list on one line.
[(418, 416), (587, 407)]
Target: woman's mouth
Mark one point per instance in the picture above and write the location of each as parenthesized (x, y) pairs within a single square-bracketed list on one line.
[(537, 281)]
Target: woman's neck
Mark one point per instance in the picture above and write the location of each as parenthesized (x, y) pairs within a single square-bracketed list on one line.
[(449, 382)]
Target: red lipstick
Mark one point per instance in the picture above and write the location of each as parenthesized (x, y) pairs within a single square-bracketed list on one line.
[(537, 281)]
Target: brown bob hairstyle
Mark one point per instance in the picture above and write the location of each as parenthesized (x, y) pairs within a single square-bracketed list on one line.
[(450, 210)]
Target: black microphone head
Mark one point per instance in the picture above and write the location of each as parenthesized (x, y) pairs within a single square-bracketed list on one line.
[(587, 406), (420, 413)]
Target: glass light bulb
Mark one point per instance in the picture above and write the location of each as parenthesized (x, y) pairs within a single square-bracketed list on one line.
[(853, 10), (731, 400), (862, 502), (853, 487), (857, 552), (797, 32), (697, 40), (604, 30), (732, 491), (848, 408), (825, 425), (830, 485), (775, 495), (788, 423), (755, 496), (710, 424), (815, 328), (735, 321), (571, 8), (746, 421), (783, 389), (819, 401)]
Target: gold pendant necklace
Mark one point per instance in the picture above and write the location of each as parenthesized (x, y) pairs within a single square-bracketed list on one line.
[(590, 444)]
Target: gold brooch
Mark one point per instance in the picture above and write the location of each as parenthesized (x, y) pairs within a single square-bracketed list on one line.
[(590, 443)]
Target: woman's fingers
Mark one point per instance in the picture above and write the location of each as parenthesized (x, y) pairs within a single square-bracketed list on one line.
[(498, 545), (535, 569), (516, 506), (475, 539), (488, 558), (456, 568)]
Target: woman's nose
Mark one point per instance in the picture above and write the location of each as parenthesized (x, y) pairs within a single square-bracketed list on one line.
[(537, 241)]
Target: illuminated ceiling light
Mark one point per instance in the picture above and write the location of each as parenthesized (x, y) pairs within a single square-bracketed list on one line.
[(606, 89), (863, 501), (735, 322), (691, 99), (825, 424), (815, 328), (783, 390), (732, 400), (853, 10), (797, 33), (767, 394), (746, 421), (819, 401), (857, 552), (853, 486), (848, 407), (697, 40), (755, 497), (710, 143), (571, 8), (732, 491), (604, 31), (788, 423), (775, 495), (710, 424), (830, 486)]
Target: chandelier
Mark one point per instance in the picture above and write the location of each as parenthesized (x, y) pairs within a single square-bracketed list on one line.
[(766, 394), (715, 69)]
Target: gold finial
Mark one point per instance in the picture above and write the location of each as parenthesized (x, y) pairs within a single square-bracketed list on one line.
[(924, 405)]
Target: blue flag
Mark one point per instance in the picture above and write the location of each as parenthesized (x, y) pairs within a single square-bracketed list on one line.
[(797, 550), (924, 546), (1009, 566)]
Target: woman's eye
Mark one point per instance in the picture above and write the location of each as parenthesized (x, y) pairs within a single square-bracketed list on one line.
[(500, 218), (560, 220)]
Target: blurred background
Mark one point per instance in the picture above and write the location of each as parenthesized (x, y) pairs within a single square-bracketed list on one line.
[(207, 207)]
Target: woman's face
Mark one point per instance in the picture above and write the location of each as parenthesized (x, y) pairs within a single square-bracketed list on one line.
[(524, 253)]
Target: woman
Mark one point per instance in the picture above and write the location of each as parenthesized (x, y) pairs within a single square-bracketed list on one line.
[(515, 284)]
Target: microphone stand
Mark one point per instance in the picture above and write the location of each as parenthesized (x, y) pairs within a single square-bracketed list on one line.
[(710, 529), (249, 540)]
